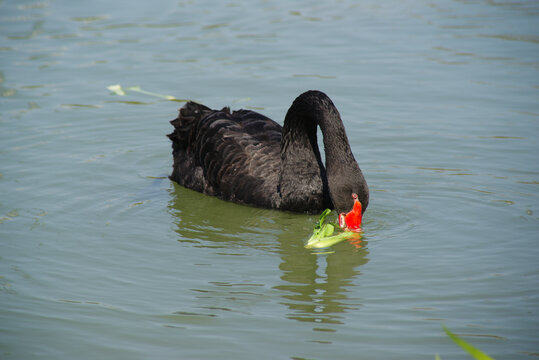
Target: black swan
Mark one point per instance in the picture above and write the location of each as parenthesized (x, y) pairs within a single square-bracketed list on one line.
[(245, 157)]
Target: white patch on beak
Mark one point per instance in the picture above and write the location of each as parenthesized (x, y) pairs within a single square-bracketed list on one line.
[(341, 220)]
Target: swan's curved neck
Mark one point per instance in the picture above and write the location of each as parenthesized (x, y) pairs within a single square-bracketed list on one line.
[(315, 108), (341, 175), (302, 179), (336, 145)]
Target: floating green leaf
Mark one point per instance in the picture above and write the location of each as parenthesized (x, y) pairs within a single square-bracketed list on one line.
[(139, 90), (119, 90), (321, 241), (323, 237), (116, 89), (473, 351)]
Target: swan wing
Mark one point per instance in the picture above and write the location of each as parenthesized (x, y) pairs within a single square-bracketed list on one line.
[(234, 156)]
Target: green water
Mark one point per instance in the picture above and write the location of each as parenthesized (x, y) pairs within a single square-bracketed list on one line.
[(101, 256)]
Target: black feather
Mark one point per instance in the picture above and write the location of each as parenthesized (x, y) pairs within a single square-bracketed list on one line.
[(248, 158)]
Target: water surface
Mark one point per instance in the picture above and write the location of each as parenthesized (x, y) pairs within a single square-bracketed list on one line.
[(101, 256)]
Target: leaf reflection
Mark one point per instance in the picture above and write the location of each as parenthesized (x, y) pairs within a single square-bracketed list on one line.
[(317, 286)]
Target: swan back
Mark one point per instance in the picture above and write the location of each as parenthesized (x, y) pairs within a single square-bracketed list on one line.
[(231, 155)]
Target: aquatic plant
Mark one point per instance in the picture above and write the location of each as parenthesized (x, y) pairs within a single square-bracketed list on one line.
[(323, 237), (473, 351), (119, 90)]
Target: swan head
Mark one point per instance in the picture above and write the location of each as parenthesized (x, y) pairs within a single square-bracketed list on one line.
[(352, 220)]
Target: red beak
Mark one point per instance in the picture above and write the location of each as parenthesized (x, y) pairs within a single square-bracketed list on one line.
[(352, 220)]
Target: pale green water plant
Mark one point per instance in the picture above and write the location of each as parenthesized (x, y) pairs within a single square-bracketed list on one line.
[(121, 91), (323, 237), (472, 350)]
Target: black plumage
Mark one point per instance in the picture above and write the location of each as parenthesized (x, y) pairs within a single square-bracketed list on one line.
[(245, 157)]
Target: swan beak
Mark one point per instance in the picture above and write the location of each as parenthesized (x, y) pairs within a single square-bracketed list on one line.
[(352, 220)]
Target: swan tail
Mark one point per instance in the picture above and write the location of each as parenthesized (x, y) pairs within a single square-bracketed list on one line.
[(186, 171), (184, 125)]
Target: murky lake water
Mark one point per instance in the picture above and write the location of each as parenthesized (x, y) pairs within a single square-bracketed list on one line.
[(101, 256)]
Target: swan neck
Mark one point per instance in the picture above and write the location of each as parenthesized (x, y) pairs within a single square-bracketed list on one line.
[(336, 145), (341, 175), (315, 108)]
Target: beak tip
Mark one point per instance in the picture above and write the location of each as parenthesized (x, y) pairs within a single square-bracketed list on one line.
[(352, 220)]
